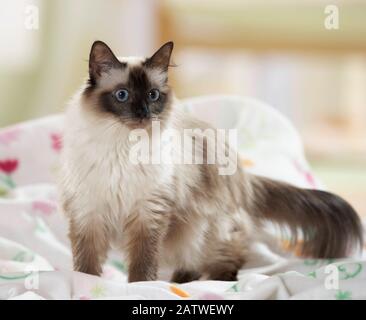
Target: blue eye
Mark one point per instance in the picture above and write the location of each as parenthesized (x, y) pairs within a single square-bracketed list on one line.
[(122, 95), (154, 95)]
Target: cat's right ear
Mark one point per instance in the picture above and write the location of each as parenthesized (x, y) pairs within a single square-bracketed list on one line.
[(161, 58), (101, 60)]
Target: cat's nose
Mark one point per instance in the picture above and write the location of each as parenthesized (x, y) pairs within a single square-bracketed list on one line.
[(143, 112)]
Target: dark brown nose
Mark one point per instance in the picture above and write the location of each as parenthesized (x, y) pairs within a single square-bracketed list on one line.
[(143, 112)]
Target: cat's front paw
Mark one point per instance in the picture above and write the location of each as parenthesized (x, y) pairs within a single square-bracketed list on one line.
[(134, 276)]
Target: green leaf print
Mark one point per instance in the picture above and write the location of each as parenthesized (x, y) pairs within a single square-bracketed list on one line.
[(233, 288), (349, 270), (119, 265), (320, 262), (40, 227), (3, 192), (97, 291), (23, 256), (20, 256), (15, 276), (8, 181), (310, 262), (343, 295)]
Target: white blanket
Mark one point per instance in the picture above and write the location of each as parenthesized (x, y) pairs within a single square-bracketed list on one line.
[(35, 258)]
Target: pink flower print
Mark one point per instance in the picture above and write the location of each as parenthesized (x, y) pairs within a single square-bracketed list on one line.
[(306, 174), (56, 141), (108, 273), (210, 296), (310, 179), (8, 166), (9, 135), (43, 207)]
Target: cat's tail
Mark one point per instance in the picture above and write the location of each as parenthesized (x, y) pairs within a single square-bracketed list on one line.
[(328, 225)]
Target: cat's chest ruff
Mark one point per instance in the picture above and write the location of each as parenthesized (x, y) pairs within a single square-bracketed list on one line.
[(119, 183)]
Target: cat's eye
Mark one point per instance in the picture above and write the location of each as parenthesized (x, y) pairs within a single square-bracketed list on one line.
[(154, 95), (121, 95)]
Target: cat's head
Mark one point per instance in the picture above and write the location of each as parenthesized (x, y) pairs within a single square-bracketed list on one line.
[(132, 90)]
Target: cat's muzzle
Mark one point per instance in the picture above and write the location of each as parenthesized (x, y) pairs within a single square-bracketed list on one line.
[(143, 112)]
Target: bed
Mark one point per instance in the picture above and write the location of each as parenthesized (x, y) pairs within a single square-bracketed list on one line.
[(35, 257)]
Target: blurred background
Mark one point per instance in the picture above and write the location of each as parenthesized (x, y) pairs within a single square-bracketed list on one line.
[(278, 51)]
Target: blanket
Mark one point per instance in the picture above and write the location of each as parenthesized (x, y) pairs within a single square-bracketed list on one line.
[(35, 256)]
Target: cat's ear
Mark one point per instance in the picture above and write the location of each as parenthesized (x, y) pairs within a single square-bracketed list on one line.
[(161, 58), (101, 60)]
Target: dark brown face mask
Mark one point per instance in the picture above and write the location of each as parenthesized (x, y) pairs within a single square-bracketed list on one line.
[(140, 94)]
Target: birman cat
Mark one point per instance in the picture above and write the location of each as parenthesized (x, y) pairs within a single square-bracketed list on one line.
[(186, 216)]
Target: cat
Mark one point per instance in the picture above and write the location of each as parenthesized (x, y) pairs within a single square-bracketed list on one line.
[(186, 216)]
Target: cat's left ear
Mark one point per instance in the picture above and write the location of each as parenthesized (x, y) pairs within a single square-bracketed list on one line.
[(161, 58)]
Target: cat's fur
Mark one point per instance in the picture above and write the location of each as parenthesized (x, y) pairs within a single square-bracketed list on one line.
[(185, 216)]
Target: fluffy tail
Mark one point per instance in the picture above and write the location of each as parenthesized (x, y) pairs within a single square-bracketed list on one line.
[(329, 226)]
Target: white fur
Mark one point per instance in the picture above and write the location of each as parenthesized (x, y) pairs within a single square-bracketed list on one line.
[(157, 76), (96, 164), (110, 79)]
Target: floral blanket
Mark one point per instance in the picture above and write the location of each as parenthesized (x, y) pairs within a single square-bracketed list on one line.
[(35, 258)]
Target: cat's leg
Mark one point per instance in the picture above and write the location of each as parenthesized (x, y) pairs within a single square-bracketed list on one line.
[(144, 231), (181, 276), (90, 244), (228, 260), (223, 272)]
